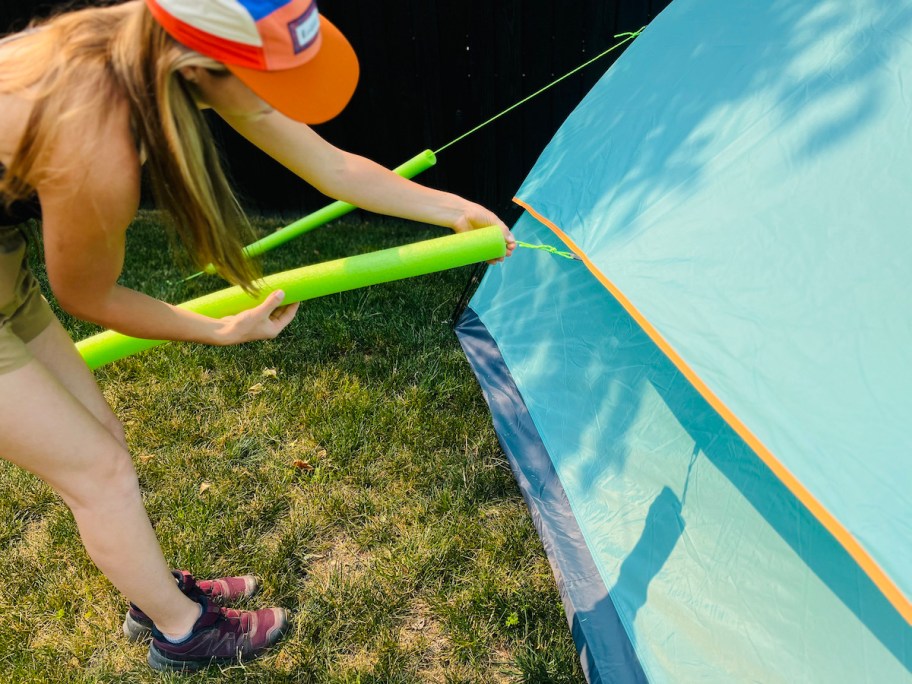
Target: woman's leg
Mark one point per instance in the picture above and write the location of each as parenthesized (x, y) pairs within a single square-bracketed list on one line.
[(56, 429), (54, 348)]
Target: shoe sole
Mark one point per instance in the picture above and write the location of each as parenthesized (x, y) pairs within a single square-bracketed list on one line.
[(162, 663)]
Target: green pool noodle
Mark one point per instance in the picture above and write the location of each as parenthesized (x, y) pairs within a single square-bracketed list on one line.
[(410, 169), (310, 282)]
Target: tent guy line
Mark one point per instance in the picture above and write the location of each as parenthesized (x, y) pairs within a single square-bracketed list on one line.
[(413, 167), (629, 36)]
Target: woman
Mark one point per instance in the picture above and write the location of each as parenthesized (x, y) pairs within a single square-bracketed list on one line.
[(85, 100)]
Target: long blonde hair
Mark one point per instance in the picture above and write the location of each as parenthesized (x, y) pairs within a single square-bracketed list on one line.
[(76, 63)]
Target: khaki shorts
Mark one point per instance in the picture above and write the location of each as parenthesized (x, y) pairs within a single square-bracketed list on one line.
[(24, 313)]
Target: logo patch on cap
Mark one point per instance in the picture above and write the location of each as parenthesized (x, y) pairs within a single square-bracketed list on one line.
[(305, 29)]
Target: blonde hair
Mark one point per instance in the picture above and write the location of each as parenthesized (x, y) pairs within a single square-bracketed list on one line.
[(74, 64)]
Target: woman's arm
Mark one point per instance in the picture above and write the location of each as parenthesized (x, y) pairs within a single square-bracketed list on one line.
[(332, 171), (87, 206)]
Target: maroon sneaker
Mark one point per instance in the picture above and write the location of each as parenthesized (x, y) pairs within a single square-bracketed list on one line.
[(219, 636), (138, 626)]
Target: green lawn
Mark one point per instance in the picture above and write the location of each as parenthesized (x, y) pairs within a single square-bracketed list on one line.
[(350, 463)]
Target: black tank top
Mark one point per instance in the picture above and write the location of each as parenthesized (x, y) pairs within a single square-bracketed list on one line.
[(18, 212), (23, 210)]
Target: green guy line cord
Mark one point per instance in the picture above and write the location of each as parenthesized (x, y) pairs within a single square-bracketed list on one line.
[(627, 38), (551, 250), (410, 169)]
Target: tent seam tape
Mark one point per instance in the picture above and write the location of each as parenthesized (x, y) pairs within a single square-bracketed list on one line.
[(880, 578)]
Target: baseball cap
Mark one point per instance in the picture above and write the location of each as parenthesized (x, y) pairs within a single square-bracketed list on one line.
[(283, 50)]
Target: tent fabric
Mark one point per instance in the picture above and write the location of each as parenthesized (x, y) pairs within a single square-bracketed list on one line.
[(741, 177), (716, 571), (721, 386), (606, 652)]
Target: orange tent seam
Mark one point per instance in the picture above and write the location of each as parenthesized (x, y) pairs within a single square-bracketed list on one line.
[(880, 578)]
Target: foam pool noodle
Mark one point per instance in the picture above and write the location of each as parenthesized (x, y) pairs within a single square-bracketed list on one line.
[(310, 282), (414, 166)]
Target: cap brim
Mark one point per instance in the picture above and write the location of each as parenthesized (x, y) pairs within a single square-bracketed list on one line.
[(316, 91)]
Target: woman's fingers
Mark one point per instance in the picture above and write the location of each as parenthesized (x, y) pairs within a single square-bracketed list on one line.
[(479, 217), (282, 316), (270, 304), (268, 319), (271, 317)]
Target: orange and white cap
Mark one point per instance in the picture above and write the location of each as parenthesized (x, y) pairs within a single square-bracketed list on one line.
[(283, 50)]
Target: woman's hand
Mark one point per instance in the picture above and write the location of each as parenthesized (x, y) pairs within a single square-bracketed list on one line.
[(263, 322), (475, 216)]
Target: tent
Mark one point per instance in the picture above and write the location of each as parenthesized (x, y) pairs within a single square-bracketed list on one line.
[(710, 414)]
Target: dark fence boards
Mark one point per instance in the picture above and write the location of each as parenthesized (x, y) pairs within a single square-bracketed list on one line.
[(432, 70)]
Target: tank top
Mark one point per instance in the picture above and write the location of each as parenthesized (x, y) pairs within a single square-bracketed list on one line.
[(23, 210), (20, 211)]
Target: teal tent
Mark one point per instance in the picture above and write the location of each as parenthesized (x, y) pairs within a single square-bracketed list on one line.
[(710, 414)]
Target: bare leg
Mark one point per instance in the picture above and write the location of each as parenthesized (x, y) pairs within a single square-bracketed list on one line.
[(56, 351), (47, 430)]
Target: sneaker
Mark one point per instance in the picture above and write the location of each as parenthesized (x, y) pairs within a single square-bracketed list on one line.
[(219, 636), (138, 626)]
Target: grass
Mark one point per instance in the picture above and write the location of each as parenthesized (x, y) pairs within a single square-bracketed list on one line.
[(350, 463)]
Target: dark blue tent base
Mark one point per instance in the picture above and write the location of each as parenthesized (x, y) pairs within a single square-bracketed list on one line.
[(606, 653)]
